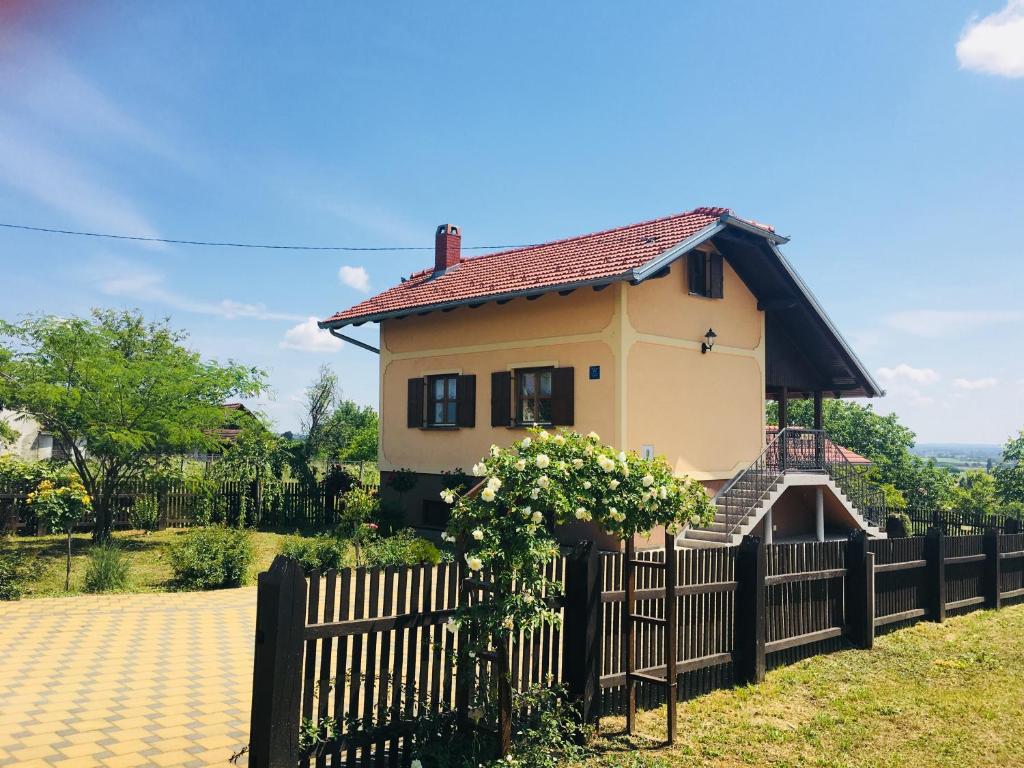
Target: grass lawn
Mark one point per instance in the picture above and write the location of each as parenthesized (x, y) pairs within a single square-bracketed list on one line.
[(148, 556), (932, 695)]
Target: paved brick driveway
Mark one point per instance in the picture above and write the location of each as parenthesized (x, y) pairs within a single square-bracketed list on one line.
[(126, 680)]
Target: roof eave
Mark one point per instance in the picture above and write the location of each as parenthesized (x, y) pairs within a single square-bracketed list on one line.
[(870, 385), (441, 306)]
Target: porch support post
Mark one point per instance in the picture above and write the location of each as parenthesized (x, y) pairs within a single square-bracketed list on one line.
[(819, 426), (768, 536), (783, 422), (819, 513)]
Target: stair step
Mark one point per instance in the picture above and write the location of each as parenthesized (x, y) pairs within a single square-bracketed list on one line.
[(705, 535)]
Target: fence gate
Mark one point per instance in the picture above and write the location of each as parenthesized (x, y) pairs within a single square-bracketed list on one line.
[(668, 623)]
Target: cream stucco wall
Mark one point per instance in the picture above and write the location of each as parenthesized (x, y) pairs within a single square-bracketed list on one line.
[(704, 413)]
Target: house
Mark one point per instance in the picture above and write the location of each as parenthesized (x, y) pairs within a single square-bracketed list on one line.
[(665, 337), (33, 443)]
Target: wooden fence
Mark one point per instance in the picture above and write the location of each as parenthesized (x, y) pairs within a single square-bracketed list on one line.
[(287, 505), (370, 647)]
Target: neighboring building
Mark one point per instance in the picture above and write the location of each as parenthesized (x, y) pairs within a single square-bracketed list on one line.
[(33, 443), (664, 337)]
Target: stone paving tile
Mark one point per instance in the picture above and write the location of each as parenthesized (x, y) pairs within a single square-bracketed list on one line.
[(120, 681)]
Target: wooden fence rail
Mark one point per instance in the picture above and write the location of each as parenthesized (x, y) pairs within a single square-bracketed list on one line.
[(371, 648)]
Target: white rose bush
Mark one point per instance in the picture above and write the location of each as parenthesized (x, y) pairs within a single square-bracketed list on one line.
[(504, 524)]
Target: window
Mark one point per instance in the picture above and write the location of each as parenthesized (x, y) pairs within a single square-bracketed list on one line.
[(442, 400), (533, 396), (704, 274)]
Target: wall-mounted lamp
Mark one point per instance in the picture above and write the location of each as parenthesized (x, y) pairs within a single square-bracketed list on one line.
[(709, 341)]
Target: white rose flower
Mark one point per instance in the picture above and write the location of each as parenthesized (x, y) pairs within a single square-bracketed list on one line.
[(508, 623), (577, 463), (594, 436), (613, 484), (487, 494), (663, 492), (587, 484), (479, 470), (452, 625), (478, 534), (582, 514), (495, 451), (544, 482), (605, 463), (542, 461), (474, 563), (493, 483), (528, 598), (612, 512), (647, 480), (589, 450), (448, 496), (559, 440), (525, 442), (535, 494), (543, 435), (521, 465), (622, 455), (625, 470), (536, 517)]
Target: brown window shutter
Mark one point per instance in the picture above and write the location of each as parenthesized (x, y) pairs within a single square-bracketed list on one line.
[(562, 396), (465, 401), (715, 278), (696, 276), (415, 412), (501, 399)]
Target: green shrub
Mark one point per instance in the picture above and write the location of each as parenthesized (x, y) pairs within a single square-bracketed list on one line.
[(15, 570), (359, 507), (212, 557), (315, 553), (898, 525), (144, 513), (404, 548), (107, 570)]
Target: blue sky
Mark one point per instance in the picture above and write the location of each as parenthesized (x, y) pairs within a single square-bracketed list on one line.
[(884, 138)]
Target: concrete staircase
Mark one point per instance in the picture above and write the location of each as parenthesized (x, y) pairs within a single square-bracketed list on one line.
[(723, 532)]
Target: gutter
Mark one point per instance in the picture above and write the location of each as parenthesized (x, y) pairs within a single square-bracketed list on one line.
[(350, 340)]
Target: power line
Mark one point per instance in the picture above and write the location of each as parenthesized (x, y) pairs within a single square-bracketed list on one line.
[(267, 246)]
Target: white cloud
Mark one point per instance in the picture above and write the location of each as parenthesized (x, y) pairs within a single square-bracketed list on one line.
[(143, 285), (994, 44), (975, 384), (939, 323), (909, 373), (306, 336), (354, 277)]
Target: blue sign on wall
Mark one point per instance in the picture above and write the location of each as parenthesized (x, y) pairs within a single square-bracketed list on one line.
[(595, 372)]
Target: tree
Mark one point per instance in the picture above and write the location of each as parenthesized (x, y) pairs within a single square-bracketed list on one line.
[(321, 396), (1009, 474), (975, 493), (349, 420), (255, 457), (923, 485), (362, 445), (118, 391), (60, 506)]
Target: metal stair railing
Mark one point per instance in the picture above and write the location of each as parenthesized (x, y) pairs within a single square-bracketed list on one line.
[(745, 491), (800, 450)]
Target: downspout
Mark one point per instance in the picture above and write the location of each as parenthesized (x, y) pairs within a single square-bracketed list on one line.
[(357, 342)]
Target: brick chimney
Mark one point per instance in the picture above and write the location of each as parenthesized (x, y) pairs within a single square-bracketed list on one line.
[(447, 248)]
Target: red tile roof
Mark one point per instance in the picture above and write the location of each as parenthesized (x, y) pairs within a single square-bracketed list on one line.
[(581, 259)]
